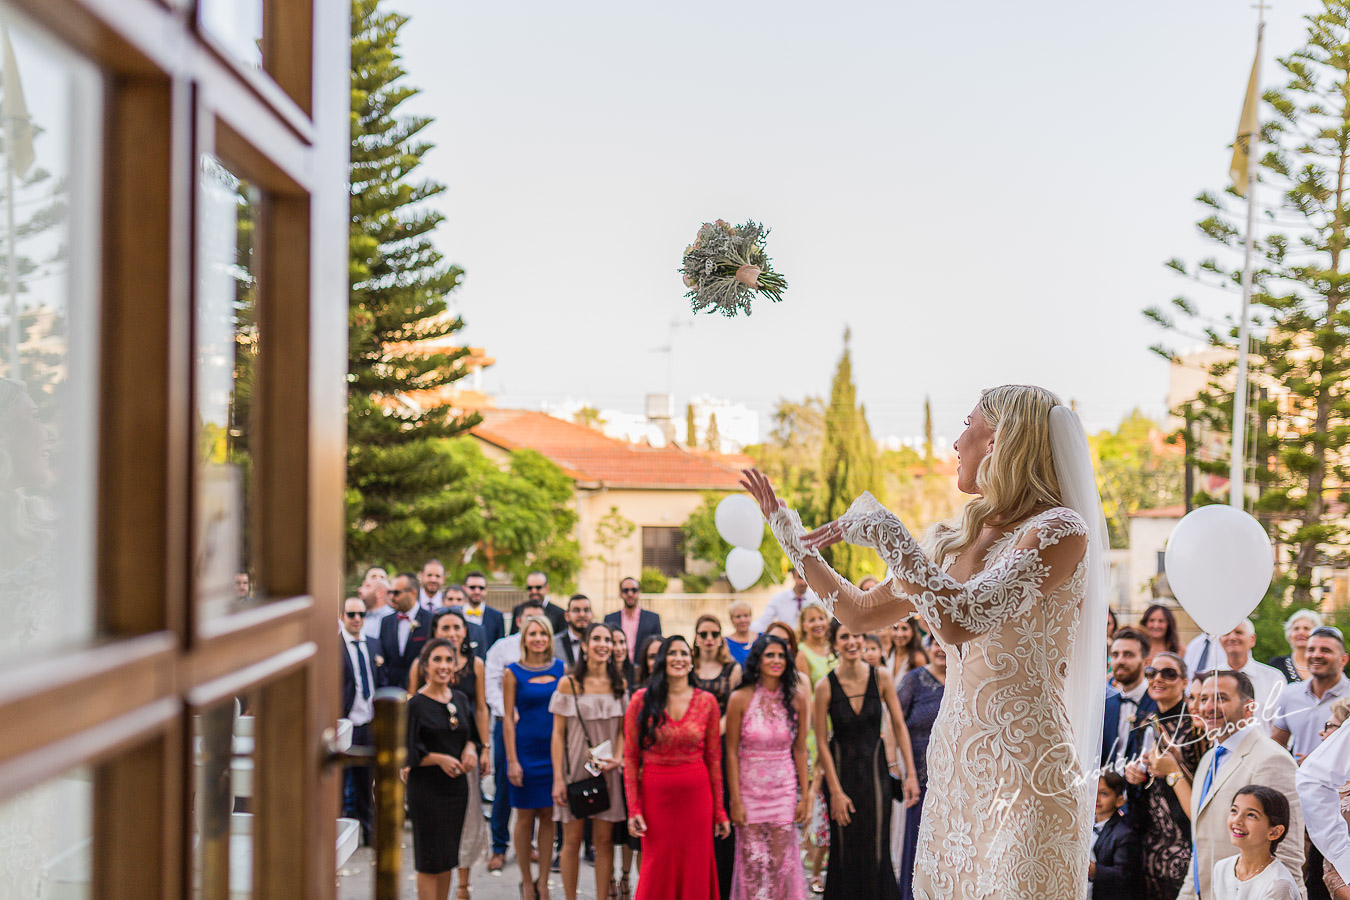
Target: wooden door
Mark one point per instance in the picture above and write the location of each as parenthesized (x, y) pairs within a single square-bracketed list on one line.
[(173, 288)]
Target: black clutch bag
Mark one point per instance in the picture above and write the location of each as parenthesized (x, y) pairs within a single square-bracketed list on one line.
[(589, 796)]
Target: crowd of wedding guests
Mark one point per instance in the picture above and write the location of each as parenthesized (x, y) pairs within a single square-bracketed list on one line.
[(797, 748)]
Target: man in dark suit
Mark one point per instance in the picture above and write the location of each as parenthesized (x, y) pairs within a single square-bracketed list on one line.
[(567, 645), (358, 686), (476, 610), (636, 623), (1129, 705), (536, 588), (403, 634)]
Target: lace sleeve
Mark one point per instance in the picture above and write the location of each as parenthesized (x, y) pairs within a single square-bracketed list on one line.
[(712, 755), (632, 755), (872, 609), (1045, 556)]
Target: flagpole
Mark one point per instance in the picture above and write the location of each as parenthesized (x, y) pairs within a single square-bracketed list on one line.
[(1237, 465)]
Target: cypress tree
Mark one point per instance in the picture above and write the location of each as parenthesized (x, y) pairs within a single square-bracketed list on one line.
[(403, 504), (848, 466)]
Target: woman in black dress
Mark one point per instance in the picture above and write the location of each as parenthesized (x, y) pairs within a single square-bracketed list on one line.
[(718, 674), (856, 781), (443, 745)]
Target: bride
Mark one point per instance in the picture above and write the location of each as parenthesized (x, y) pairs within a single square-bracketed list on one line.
[(1015, 589)]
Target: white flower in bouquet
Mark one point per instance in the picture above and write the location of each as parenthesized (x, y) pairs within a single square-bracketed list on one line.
[(727, 265)]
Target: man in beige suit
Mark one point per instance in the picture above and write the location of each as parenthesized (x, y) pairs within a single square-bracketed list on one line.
[(1243, 754)]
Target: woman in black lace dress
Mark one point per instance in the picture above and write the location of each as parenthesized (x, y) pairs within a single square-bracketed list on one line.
[(857, 784), (718, 674), (1158, 814)]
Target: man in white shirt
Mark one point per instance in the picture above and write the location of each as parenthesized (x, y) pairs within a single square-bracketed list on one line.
[(785, 606), (1203, 654), (431, 597), (374, 592), (1242, 755), (1323, 773), (499, 656), (1303, 705), (1267, 681)]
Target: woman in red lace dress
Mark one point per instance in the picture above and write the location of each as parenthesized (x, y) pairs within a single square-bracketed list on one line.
[(673, 779)]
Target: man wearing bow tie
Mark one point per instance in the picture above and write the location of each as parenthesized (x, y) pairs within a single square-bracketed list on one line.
[(1129, 705), (403, 634), (358, 686)]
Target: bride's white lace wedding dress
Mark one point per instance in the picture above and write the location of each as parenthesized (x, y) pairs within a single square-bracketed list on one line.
[(1006, 814)]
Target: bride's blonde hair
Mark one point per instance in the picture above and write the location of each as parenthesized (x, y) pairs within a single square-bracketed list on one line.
[(1016, 478)]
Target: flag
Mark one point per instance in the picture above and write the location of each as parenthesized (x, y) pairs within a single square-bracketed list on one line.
[(1248, 129), (18, 127)]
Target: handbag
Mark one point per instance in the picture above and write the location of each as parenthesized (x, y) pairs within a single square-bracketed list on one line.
[(588, 796)]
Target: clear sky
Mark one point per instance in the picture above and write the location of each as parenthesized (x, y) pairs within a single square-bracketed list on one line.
[(985, 192)]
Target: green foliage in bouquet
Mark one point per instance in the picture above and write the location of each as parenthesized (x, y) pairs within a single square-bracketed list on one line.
[(727, 265)]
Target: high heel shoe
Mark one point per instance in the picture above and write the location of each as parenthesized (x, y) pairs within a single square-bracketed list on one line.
[(625, 892)]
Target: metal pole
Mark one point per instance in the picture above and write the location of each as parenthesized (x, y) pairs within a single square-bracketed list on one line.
[(1237, 466)]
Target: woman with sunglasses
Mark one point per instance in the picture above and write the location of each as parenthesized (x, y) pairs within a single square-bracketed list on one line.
[(1160, 782), (718, 674)]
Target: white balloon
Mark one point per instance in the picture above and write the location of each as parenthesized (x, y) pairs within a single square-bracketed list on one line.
[(1219, 563), (739, 521), (744, 567)]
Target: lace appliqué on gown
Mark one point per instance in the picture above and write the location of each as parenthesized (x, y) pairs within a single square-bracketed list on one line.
[(1005, 815)]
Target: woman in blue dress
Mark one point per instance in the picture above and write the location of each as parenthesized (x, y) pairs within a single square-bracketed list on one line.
[(920, 695), (527, 729)]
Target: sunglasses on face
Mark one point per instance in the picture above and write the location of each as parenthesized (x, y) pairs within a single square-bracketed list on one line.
[(355, 615), (394, 592), (1161, 674), (628, 590), (528, 587), (1331, 726), (709, 635)]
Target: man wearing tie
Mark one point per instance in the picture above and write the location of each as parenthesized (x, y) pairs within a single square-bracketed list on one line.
[(1129, 705), (785, 606), (477, 611), (358, 685), (402, 635), (1242, 754)]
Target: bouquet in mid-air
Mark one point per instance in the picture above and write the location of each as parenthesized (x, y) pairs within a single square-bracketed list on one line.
[(727, 265)]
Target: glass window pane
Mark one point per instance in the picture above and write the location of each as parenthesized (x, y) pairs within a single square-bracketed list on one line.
[(237, 25), (227, 348), (222, 802), (45, 838), (50, 144)]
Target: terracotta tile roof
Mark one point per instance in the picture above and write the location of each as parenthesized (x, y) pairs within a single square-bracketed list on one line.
[(589, 456)]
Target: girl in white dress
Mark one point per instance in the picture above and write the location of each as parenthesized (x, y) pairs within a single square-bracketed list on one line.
[(1015, 589), (1257, 822)]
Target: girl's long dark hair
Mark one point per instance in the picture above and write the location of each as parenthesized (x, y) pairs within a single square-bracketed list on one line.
[(465, 648), (640, 660), (653, 712), (616, 682), (787, 684)]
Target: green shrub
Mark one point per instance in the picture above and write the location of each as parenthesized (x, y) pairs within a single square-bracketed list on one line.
[(695, 584), (653, 581)]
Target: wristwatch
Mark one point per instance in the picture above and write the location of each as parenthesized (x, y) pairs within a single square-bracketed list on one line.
[(1172, 778)]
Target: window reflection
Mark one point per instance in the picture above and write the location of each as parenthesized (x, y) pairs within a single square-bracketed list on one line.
[(237, 25), (50, 142), (227, 351), (45, 836), (223, 757)]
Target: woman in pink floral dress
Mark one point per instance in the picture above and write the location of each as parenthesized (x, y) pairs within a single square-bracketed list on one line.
[(766, 775)]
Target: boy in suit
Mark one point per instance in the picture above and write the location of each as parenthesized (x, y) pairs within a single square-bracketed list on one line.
[(402, 635), (1116, 850)]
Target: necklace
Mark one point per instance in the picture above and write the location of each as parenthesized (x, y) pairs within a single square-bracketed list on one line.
[(1254, 874)]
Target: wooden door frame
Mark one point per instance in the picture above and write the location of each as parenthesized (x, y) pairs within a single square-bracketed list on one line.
[(122, 705)]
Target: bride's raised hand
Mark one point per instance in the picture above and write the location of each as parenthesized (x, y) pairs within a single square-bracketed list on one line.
[(759, 487), (824, 536)]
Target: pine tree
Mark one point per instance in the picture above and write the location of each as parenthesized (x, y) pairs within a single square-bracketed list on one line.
[(690, 427), (401, 500), (848, 466), (1299, 293)]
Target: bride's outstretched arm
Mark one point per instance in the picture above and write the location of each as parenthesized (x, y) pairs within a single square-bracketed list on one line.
[(1045, 557), (859, 610)]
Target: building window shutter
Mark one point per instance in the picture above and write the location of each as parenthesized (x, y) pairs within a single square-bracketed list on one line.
[(663, 549)]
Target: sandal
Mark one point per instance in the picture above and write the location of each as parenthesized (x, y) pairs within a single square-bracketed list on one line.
[(625, 892), (541, 887), (817, 886), (496, 863), (462, 892)]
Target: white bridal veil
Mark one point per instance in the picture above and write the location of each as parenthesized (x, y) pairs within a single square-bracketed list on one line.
[(1087, 665)]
